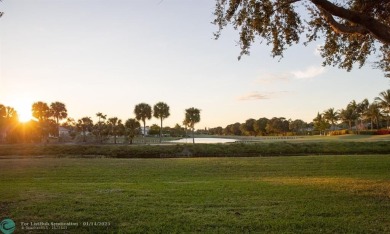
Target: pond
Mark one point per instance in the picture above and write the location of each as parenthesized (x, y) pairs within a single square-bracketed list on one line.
[(205, 140)]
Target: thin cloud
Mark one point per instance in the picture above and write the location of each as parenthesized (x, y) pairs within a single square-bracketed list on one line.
[(253, 96), (309, 72), (259, 96)]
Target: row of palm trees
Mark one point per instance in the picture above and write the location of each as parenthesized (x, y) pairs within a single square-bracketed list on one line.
[(49, 118), (142, 111), (42, 111), (113, 126), (357, 114)]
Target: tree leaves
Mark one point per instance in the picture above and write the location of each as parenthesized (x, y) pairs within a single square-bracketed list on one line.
[(353, 31)]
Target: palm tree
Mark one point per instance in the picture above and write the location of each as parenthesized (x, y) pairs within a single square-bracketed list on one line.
[(192, 116), (101, 116), (320, 123), (100, 122), (331, 116), (10, 113), (114, 122), (70, 122), (8, 119), (161, 111), (354, 107), (71, 125), (349, 114), (362, 109), (185, 124), (384, 102), (132, 129), (41, 111), (346, 116), (59, 112), (85, 124), (373, 113), (142, 112)]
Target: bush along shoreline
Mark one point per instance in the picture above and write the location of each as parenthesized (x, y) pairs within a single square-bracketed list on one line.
[(197, 150)]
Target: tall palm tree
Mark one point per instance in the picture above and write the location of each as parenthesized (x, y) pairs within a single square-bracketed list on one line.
[(114, 122), (192, 116), (142, 112), (41, 111), (373, 113), (101, 117), (161, 111), (331, 116), (384, 102), (354, 107), (132, 129), (59, 112), (185, 124), (348, 115), (362, 109)]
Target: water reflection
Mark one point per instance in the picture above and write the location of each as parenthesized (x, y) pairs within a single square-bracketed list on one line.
[(205, 140)]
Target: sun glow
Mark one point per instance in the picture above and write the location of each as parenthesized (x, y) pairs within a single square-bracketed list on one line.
[(23, 108)]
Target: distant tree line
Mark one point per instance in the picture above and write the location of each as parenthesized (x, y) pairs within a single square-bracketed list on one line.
[(354, 117), (52, 121), (357, 116), (264, 127)]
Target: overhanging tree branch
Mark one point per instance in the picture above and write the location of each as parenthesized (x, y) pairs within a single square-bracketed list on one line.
[(379, 30), (341, 28), (353, 31)]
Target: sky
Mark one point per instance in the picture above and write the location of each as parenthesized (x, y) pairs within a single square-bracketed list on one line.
[(108, 56)]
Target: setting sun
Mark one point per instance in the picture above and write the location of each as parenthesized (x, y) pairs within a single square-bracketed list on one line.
[(23, 109)]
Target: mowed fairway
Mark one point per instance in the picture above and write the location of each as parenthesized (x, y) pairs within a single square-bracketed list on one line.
[(309, 194)]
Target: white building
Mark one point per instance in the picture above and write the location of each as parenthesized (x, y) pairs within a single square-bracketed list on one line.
[(147, 128)]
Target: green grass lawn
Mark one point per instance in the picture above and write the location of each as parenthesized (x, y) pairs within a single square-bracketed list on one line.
[(310, 194)]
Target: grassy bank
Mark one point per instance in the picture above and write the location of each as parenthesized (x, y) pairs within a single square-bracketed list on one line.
[(198, 150), (315, 138), (311, 194)]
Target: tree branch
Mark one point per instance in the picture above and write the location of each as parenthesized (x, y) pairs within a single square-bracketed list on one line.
[(341, 28), (379, 30)]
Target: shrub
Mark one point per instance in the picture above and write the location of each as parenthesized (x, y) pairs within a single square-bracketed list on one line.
[(197, 150), (339, 132), (382, 132), (367, 132)]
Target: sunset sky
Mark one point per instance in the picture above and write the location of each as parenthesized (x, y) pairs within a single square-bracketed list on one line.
[(108, 56)]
